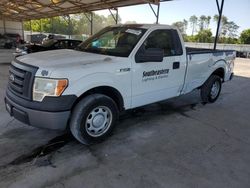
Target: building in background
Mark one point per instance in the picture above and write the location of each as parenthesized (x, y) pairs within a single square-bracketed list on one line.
[(11, 27)]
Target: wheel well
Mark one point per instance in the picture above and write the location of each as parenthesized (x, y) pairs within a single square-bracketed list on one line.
[(219, 72), (105, 90)]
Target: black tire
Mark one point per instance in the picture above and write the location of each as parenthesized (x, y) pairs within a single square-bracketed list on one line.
[(207, 92), (83, 114), (8, 45)]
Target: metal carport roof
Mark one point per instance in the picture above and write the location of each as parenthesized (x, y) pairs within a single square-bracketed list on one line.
[(23, 10)]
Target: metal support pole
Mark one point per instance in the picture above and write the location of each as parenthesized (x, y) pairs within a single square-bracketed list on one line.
[(69, 26), (91, 23), (115, 17), (90, 18), (218, 6), (30, 28), (116, 20), (152, 9), (220, 10), (4, 26), (40, 26), (156, 13), (22, 31), (52, 25)]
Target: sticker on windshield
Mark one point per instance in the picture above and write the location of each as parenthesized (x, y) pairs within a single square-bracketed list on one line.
[(133, 31)]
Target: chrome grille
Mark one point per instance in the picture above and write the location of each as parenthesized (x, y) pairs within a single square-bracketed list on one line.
[(21, 78)]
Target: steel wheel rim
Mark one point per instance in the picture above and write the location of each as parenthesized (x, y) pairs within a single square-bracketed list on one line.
[(215, 90), (98, 121)]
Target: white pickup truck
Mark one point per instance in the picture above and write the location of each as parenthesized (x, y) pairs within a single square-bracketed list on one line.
[(119, 68)]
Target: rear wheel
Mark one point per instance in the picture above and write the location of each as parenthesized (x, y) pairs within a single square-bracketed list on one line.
[(93, 118), (211, 89)]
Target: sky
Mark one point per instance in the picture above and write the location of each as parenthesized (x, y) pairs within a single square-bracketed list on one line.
[(177, 10)]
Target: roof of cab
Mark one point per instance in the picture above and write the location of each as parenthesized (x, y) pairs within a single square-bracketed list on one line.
[(144, 26)]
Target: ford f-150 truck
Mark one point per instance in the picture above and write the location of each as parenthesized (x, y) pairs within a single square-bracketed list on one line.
[(119, 68)]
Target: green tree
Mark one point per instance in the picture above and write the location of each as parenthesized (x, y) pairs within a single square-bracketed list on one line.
[(190, 39), (228, 30), (202, 21), (110, 20), (182, 26), (179, 25), (76, 24), (185, 22), (232, 29), (245, 36), (193, 22), (207, 22), (230, 40), (224, 21), (33, 25), (52, 25), (99, 22), (204, 35), (83, 24)]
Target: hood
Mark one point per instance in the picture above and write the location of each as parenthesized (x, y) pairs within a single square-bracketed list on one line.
[(62, 58)]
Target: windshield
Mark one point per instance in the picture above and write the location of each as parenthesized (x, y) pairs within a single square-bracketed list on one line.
[(115, 41)]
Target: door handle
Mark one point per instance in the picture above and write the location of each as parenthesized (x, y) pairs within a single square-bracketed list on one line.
[(176, 65)]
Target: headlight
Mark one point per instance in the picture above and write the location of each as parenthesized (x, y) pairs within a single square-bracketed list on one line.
[(18, 50), (48, 87), (21, 51)]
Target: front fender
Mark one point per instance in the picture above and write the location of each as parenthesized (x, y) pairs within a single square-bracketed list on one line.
[(121, 83)]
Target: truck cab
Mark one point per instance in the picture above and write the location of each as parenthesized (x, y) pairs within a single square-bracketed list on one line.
[(119, 68)]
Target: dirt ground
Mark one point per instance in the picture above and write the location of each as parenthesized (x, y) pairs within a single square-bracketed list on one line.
[(175, 143)]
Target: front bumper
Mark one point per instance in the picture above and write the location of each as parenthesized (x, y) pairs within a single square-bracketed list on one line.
[(41, 119), (49, 115), (17, 54)]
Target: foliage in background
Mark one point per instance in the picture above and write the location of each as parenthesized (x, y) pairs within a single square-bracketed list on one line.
[(70, 25), (79, 24), (201, 31), (182, 26), (204, 35), (193, 22), (245, 36)]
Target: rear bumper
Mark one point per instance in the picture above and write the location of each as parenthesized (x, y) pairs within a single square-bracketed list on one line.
[(37, 118), (231, 76)]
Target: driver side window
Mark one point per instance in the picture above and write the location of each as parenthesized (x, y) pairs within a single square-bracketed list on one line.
[(161, 39)]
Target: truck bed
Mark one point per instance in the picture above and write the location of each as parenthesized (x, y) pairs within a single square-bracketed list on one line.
[(200, 61), (190, 51)]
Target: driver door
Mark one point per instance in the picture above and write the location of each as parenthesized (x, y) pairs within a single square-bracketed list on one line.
[(155, 81)]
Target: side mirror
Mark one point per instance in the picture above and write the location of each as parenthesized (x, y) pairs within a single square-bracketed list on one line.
[(149, 55)]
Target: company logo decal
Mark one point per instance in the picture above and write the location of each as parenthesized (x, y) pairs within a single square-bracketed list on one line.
[(12, 77), (154, 75)]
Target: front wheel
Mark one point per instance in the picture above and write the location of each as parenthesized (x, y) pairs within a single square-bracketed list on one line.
[(211, 89), (93, 118), (8, 45)]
